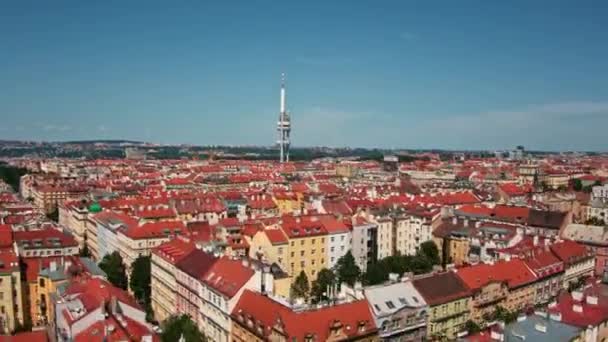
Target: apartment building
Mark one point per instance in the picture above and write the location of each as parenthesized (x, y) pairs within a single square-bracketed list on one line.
[(449, 301), (163, 284), (11, 300)]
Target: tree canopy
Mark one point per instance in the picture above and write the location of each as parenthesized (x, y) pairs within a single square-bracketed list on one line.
[(140, 281), (577, 185), (347, 270), (300, 287), (114, 268), (11, 175), (422, 262), (430, 251), (177, 326), (326, 278)]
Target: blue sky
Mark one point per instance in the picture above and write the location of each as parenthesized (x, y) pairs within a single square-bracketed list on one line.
[(406, 74)]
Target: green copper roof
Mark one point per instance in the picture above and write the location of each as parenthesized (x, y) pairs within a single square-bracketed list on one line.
[(95, 208)]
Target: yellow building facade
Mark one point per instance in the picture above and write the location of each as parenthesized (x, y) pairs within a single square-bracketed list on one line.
[(11, 300)]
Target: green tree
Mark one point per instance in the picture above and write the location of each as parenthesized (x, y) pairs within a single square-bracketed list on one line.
[(347, 270), (326, 278), (577, 185), (504, 315), (375, 274), (420, 264), (429, 250), (300, 287), (177, 326), (114, 268), (140, 281), (11, 175), (54, 215), (471, 327)]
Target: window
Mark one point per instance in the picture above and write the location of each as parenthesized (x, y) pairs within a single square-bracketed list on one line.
[(402, 300), (314, 251), (342, 238), (331, 249), (302, 242), (301, 253), (280, 251), (313, 241), (333, 238), (292, 243), (302, 263), (41, 282), (377, 307), (390, 304), (293, 254)]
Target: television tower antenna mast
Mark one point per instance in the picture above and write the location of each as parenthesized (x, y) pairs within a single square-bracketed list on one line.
[(283, 126)]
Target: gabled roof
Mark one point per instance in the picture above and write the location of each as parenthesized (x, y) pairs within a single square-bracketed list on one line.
[(227, 276)]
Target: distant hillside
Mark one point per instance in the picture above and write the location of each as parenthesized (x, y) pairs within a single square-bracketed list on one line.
[(92, 142)]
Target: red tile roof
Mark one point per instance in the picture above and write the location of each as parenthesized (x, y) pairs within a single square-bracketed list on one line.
[(355, 318), (174, 250), (196, 264), (590, 315), (6, 236), (157, 213), (276, 236), (512, 189), (514, 272), (155, 230), (48, 238), (570, 252), (228, 276), (30, 336), (303, 226), (336, 207)]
